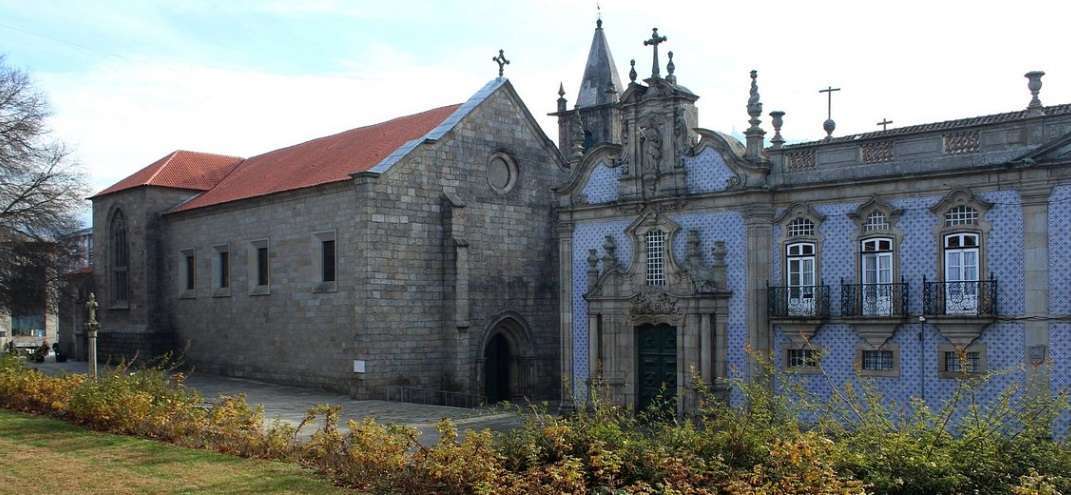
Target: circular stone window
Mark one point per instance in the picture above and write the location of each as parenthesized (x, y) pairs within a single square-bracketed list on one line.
[(501, 173)]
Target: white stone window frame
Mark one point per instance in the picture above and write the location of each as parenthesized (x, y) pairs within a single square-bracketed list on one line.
[(218, 289), (511, 167), (943, 370), (860, 359), (252, 267), (805, 347), (784, 220), (943, 230), (318, 261), (187, 289)]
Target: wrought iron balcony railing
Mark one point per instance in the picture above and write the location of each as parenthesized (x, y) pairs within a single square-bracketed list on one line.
[(803, 302), (874, 300), (969, 298)]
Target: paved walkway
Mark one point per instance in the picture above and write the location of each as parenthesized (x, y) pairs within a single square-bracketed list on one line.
[(289, 404)]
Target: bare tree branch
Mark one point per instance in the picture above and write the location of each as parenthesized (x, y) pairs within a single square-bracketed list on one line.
[(41, 192)]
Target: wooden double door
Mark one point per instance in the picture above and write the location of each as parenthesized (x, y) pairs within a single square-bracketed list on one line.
[(656, 349)]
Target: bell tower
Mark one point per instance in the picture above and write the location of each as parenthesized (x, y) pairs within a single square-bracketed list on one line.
[(594, 119)]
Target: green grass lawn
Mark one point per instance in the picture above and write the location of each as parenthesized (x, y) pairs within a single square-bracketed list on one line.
[(40, 455)]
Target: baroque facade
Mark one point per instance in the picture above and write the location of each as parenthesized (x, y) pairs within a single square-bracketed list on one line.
[(909, 258)]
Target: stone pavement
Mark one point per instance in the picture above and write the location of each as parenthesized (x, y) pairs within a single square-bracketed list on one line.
[(289, 403)]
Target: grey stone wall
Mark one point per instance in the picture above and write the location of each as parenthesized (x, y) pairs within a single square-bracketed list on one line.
[(408, 334), (144, 313), (295, 331)]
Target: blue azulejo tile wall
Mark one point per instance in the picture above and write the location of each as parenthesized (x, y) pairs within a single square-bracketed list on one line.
[(587, 236), (601, 186), (725, 226), (707, 172)]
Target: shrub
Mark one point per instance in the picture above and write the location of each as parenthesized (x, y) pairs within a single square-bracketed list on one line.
[(851, 444)]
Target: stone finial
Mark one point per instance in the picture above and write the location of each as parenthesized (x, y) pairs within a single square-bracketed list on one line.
[(754, 134), (777, 119), (611, 91), (609, 259), (562, 102), (593, 262), (693, 245), (578, 136), (1034, 85), (670, 68), (632, 71)]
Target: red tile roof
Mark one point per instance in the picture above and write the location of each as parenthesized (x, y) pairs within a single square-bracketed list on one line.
[(181, 170), (319, 161)]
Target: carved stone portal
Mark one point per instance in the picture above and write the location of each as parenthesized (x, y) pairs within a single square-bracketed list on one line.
[(690, 299)]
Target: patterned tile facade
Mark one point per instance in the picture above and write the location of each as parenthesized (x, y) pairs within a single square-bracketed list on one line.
[(586, 236), (707, 172), (602, 184), (918, 354), (1060, 294), (728, 227)]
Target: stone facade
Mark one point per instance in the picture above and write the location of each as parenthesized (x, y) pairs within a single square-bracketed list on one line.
[(431, 261), (1001, 179)]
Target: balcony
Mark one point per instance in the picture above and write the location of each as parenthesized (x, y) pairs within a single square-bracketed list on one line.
[(874, 300), (960, 310), (977, 299), (810, 302)]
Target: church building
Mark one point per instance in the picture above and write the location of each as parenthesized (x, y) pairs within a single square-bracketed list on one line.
[(910, 258), (413, 258), (460, 252)]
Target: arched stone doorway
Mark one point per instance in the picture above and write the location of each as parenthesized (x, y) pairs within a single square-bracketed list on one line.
[(506, 360), (496, 368)]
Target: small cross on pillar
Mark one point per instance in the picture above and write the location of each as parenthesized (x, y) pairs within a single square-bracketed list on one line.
[(829, 125), (653, 43), (501, 61), (884, 124)]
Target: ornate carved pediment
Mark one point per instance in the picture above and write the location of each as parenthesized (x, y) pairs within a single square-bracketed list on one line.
[(652, 304), (961, 197)]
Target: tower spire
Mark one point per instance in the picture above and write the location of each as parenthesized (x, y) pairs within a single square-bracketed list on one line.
[(599, 72)]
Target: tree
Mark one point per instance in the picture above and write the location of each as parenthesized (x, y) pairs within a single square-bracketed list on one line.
[(41, 193)]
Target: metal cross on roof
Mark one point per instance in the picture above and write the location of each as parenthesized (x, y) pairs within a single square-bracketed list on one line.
[(501, 61), (829, 107), (884, 123), (653, 42)]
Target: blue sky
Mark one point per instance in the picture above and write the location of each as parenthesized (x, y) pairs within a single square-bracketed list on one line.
[(131, 81)]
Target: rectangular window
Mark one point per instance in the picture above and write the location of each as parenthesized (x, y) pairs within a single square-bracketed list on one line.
[(967, 362), (961, 273), (877, 360), (800, 267), (656, 251), (802, 358), (262, 266), (190, 272), (224, 269), (327, 257)]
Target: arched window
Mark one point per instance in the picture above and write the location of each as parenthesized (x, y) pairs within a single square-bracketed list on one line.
[(656, 250), (800, 226), (120, 258)]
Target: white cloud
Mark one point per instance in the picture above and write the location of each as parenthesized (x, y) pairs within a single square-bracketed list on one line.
[(911, 61)]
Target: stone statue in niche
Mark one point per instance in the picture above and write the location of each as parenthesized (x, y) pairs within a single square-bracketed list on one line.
[(680, 133), (625, 160), (652, 150)]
